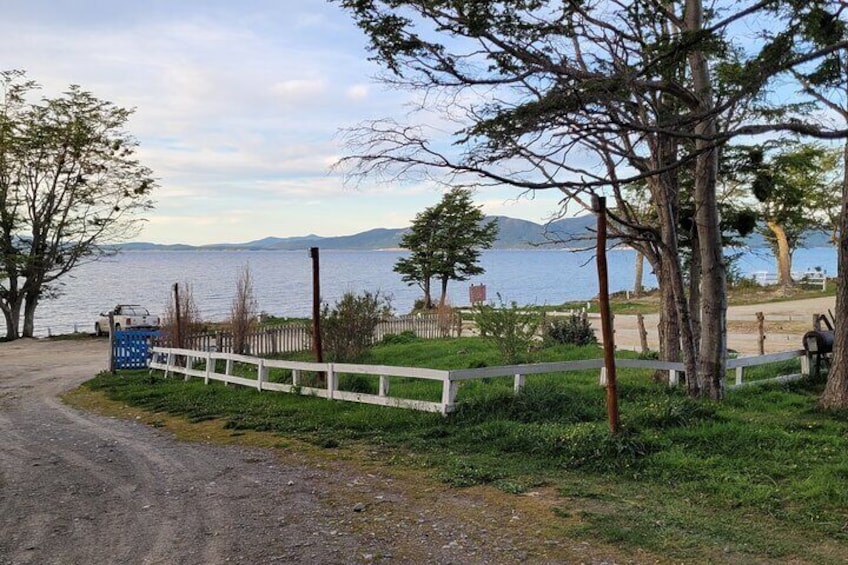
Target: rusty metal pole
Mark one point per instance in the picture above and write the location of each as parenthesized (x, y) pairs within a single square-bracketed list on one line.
[(599, 207), (317, 347)]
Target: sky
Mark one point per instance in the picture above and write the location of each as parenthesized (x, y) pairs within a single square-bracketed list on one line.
[(238, 111)]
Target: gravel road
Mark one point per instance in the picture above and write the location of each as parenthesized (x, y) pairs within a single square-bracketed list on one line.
[(79, 488)]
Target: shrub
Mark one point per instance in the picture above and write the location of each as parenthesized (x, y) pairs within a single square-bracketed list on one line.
[(404, 337), (243, 311), (574, 330), (178, 335), (510, 327), (347, 329)]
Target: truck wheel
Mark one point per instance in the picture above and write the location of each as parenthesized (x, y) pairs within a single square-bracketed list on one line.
[(97, 331), (117, 327)]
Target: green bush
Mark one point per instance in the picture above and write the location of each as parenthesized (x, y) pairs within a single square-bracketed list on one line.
[(511, 328), (402, 338), (574, 330), (348, 327)]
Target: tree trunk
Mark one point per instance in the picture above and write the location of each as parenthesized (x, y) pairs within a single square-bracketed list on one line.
[(713, 343), (669, 326), (695, 288), (29, 314), (835, 395), (444, 298), (428, 300), (12, 315), (784, 258), (640, 267)]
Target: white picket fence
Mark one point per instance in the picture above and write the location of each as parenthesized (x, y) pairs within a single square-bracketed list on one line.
[(183, 361)]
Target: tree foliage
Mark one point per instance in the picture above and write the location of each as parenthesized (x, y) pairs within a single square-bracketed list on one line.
[(590, 98), (795, 186), (445, 242), (69, 183)]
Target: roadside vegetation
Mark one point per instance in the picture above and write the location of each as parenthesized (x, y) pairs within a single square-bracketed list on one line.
[(761, 476)]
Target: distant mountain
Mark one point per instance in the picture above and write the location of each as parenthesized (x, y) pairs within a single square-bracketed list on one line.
[(513, 234)]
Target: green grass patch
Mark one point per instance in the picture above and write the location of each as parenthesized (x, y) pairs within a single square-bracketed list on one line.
[(762, 476)]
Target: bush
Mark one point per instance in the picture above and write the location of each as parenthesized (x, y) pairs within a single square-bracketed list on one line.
[(404, 337), (574, 330), (347, 329), (510, 327)]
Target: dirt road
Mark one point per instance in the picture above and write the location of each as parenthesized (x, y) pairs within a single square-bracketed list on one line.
[(785, 325), (78, 488)]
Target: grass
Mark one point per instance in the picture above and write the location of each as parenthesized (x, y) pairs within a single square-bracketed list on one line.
[(762, 476)]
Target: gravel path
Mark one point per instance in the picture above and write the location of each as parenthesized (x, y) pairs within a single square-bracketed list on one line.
[(79, 488)]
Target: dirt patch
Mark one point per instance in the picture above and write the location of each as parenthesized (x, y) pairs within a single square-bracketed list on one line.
[(80, 487)]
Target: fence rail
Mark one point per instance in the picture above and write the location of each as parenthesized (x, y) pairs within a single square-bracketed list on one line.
[(185, 362)]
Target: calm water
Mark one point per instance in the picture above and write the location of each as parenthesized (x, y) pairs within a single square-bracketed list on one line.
[(283, 280)]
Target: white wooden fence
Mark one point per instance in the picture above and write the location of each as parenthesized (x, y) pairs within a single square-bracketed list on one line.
[(183, 361)]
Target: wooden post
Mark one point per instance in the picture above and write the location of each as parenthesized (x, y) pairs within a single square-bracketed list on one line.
[(643, 333), (112, 342), (317, 348), (599, 207), (178, 337), (761, 332)]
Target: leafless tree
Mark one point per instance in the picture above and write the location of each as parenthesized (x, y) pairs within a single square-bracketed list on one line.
[(243, 311)]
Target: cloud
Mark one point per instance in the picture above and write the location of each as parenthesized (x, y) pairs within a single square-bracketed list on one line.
[(357, 92)]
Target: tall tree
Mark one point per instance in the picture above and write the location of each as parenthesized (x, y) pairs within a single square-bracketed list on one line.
[(795, 185), (586, 98), (445, 243), (826, 83), (69, 183)]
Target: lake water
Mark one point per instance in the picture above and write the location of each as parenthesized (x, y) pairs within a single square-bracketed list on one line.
[(283, 280)]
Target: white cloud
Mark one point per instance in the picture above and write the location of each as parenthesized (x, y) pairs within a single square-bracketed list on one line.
[(358, 92)]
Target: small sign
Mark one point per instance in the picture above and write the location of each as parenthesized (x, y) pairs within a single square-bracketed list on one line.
[(477, 293)]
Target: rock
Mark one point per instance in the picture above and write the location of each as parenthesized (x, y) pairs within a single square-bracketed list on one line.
[(359, 507)]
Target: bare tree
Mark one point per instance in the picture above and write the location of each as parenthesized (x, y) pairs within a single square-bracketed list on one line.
[(243, 311)]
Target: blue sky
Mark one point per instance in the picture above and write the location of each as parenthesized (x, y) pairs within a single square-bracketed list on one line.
[(238, 110)]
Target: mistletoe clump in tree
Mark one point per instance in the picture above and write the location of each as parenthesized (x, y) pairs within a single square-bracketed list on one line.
[(69, 183), (444, 242)]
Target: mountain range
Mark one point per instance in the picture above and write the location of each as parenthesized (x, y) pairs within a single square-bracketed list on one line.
[(577, 232), (512, 234)]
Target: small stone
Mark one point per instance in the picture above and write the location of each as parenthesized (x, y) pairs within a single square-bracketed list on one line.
[(359, 507), (290, 483)]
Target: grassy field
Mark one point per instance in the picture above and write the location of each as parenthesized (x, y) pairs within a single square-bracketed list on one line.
[(761, 477)]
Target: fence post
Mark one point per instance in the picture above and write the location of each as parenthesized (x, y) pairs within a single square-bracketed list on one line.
[(518, 383), (805, 365), (169, 363), (739, 373), (332, 385), (188, 365), (449, 388), (260, 374), (295, 377), (643, 333), (209, 362), (673, 377), (761, 332), (384, 385)]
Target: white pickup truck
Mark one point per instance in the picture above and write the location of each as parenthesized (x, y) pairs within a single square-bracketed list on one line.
[(126, 317)]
